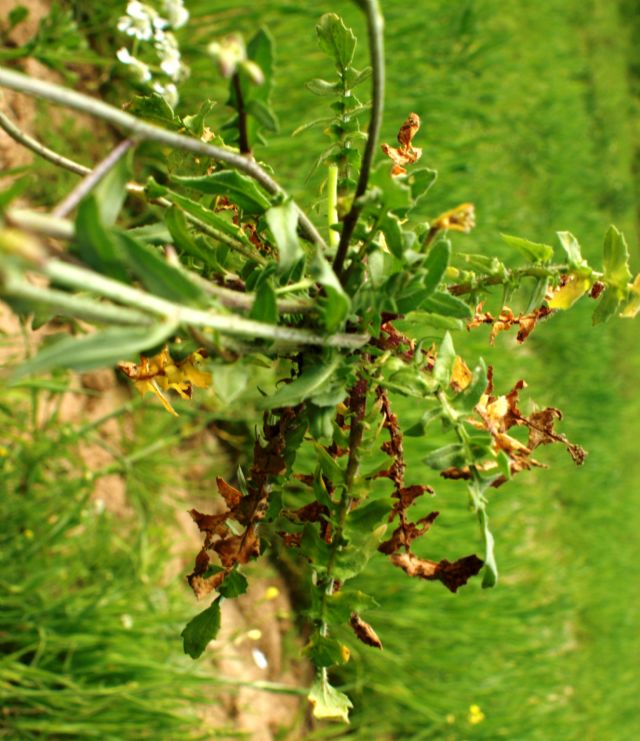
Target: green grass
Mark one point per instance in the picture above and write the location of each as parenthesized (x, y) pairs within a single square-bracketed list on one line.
[(89, 622)]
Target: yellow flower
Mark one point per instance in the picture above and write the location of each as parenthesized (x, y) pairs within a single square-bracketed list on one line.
[(475, 715), (162, 372)]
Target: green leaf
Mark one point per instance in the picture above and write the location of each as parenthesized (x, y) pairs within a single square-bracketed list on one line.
[(447, 305), (572, 247), (472, 394), (608, 306), (437, 262), (336, 40), (390, 227), (265, 308), (322, 87), (96, 246), (533, 251), (354, 77), (15, 190), (444, 361), (490, 576), (616, 259), (184, 240), (446, 456), (313, 547), (111, 191), (97, 350), (537, 294), (420, 181), (234, 585), (419, 429), (312, 381), (154, 108), (263, 114), (328, 465), (337, 304), (324, 652), (201, 629), (439, 321), (340, 605), (367, 516), (283, 223), (157, 275), (328, 703), (311, 124), (196, 123), (393, 194), (238, 188), (204, 214)]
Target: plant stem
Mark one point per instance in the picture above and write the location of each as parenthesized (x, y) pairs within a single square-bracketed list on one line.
[(51, 226), (89, 182), (243, 134), (48, 154), (140, 130), (357, 405), (79, 307), (332, 204), (531, 271), (77, 277), (375, 26)]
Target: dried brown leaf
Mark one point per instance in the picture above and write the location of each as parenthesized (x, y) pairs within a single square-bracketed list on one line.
[(364, 632), (452, 574)]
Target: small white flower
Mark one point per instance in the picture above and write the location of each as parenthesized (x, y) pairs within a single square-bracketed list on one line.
[(169, 92), (166, 45), (140, 70), (177, 14), (140, 21)]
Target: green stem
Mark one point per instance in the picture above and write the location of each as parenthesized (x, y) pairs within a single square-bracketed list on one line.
[(375, 26), (332, 204), (140, 131), (513, 275), (81, 278)]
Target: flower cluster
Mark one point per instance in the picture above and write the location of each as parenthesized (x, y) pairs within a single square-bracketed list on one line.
[(151, 31)]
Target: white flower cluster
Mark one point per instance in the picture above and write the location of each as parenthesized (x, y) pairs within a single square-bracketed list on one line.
[(144, 24)]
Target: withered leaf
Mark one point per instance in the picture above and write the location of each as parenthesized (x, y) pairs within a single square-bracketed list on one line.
[(364, 632), (238, 548), (406, 153), (229, 493), (406, 533), (541, 432), (212, 524), (461, 375), (452, 575)]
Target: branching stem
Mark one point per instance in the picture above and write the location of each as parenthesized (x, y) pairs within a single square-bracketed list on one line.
[(140, 130)]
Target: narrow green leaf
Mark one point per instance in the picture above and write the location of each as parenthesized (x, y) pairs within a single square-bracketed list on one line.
[(238, 188), (490, 576), (283, 222), (572, 247), (96, 246), (265, 308), (446, 456), (444, 361), (157, 275), (201, 629), (436, 263), (111, 191), (533, 251), (263, 114), (313, 380), (336, 40), (185, 241), (616, 259), (195, 124), (447, 305), (323, 88), (336, 306), (204, 214), (97, 350), (608, 306)]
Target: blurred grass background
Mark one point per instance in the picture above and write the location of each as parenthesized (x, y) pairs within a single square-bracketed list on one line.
[(530, 111)]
